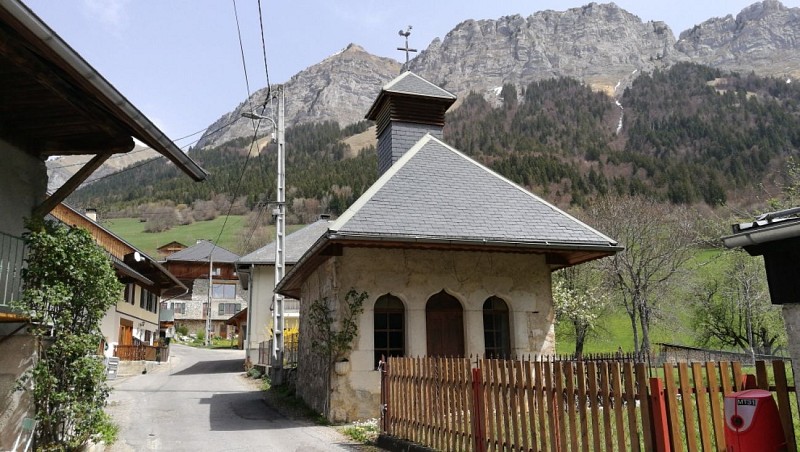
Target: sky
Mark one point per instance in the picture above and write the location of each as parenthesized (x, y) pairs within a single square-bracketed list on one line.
[(180, 62)]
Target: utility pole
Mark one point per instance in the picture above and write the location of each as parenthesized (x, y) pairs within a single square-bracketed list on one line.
[(279, 213), (208, 308), (280, 232)]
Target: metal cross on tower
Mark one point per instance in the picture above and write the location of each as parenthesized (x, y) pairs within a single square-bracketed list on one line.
[(406, 49)]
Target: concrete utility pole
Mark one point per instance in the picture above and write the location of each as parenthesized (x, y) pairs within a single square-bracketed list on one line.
[(208, 308), (280, 232), (279, 213)]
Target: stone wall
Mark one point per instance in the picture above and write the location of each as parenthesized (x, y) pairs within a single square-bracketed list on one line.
[(522, 280), (17, 354), (313, 374)]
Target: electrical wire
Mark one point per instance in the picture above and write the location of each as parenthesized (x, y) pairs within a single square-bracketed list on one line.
[(264, 52), (241, 50)]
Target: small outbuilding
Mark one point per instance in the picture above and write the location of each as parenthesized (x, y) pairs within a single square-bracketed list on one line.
[(455, 259)]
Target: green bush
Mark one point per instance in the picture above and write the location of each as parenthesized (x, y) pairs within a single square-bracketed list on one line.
[(183, 330), (254, 373)]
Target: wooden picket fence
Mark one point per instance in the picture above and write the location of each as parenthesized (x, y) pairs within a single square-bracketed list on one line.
[(457, 404)]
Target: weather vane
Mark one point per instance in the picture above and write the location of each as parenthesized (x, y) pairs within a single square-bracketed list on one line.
[(406, 49)]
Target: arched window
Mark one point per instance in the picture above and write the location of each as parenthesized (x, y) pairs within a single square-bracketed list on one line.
[(496, 332), (389, 326)]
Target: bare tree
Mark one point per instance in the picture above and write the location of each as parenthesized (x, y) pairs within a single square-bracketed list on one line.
[(657, 240), (732, 307)]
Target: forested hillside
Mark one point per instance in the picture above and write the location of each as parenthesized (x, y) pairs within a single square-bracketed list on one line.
[(688, 134)]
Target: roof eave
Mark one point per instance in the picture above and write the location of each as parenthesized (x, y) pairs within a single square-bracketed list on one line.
[(142, 128)]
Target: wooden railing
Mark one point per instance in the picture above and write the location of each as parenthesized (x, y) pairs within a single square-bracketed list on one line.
[(142, 353), (455, 404)]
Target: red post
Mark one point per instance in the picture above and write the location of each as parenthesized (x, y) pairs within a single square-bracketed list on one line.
[(658, 413), (749, 382), (477, 413)]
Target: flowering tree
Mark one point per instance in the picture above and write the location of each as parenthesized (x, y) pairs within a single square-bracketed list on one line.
[(579, 301)]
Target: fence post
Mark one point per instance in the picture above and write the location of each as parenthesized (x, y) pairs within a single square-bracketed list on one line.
[(383, 368), (658, 413), (477, 416)]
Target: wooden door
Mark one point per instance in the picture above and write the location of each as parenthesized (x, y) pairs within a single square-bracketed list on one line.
[(125, 332), (444, 321)]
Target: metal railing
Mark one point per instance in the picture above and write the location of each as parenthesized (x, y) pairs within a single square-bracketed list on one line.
[(12, 260)]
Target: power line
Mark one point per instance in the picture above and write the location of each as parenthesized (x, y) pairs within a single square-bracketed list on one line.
[(264, 51), (241, 49)]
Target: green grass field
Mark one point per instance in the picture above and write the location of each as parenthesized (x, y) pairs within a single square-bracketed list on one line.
[(132, 231)]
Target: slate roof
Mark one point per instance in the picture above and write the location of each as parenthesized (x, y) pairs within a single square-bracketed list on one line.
[(199, 253), (295, 244), (411, 84), (435, 192)]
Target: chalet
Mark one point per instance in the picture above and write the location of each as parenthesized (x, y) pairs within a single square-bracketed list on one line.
[(196, 267), (456, 259), (170, 248), (134, 320), (53, 103), (257, 273)]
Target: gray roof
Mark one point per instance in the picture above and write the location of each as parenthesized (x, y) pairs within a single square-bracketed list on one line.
[(200, 251), (411, 83), (296, 244), (435, 192)]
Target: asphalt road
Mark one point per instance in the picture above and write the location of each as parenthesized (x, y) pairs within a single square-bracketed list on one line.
[(200, 401)]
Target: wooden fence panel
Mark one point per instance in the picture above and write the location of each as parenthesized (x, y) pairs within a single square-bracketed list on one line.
[(551, 405), (580, 372), (688, 410), (715, 396), (701, 400), (631, 397), (615, 376), (784, 404)]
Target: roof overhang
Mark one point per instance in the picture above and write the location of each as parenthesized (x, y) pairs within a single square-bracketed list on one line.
[(558, 255), (55, 103), (161, 278)]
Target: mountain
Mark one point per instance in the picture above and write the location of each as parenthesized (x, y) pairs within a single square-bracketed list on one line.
[(60, 169), (600, 44), (688, 134), (637, 114), (764, 38), (340, 89)]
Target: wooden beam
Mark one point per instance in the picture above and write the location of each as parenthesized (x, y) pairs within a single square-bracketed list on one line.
[(72, 184)]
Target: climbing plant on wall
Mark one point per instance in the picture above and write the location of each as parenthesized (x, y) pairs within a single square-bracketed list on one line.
[(334, 340), (69, 286)]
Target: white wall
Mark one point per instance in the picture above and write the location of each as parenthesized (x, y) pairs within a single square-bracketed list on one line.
[(262, 283)]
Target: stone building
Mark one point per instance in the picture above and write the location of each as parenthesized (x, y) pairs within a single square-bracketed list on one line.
[(456, 260), (191, 308)]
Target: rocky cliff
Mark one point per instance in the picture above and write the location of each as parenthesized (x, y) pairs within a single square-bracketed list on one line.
[(340, 88), (764, 37), (601, 44)]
